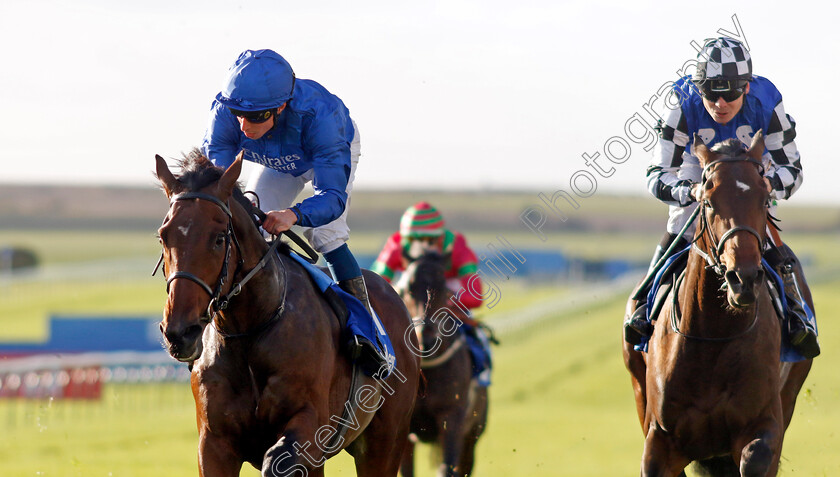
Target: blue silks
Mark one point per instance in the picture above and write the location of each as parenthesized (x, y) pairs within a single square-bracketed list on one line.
[(359, 322)]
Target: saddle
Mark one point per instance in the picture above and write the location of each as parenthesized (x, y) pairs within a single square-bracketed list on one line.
[(674, 267)]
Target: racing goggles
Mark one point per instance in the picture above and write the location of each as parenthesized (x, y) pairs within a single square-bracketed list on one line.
[(255, 117), (729, 90)]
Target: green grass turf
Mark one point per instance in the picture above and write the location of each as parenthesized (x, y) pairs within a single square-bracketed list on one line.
[(561, 404)]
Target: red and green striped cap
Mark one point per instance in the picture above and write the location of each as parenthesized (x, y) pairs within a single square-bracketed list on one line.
[(421, 220)]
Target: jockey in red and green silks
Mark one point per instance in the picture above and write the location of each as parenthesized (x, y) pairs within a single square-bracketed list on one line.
[(422, 227)]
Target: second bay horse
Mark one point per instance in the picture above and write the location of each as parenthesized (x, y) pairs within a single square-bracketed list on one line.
[(711, 388)]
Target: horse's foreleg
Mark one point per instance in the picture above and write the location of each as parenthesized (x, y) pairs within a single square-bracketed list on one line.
[(297, 451), (659, 458), (451, 440), (407, 464), (760, 456), (635, 363), (217, 457)]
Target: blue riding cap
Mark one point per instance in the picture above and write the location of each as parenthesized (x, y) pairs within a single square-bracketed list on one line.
[(258, 80)]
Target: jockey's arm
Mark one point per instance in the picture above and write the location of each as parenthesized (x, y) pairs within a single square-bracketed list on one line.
[(472, 285), (663, 173), (784, 170), (329, 185), (465, 266)]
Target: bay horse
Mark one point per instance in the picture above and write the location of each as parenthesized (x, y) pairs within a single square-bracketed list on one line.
[(711, 388), (452, 414), (270, 378)]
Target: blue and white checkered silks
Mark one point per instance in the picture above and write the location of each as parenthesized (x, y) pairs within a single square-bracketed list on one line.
[(723, 58)]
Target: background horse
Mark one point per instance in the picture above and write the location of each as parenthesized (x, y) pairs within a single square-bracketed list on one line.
[(711, 387), (269, 376), (453, 412)]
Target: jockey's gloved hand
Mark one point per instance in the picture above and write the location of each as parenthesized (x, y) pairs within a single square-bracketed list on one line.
[(697, 191)]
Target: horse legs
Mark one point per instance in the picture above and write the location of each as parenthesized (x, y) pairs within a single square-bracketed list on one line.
[(660, 459), (478, 421), (217, 457), (467, 459), (635, 363), (291, 455), (760, 456), (384, 448), (793, 377), (451, 436), (407, 464)]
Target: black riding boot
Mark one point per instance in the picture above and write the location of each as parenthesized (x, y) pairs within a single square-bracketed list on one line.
[(358, 346), (636, 325), (802, 337)]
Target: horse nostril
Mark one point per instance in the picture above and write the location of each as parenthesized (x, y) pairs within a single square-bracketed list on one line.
[(192, 333), (732, 277), (172, 337)]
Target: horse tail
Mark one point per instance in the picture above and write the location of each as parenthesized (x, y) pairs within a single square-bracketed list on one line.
[(716, 467)]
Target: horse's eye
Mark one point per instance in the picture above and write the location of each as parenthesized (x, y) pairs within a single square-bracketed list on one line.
[(220, 240)]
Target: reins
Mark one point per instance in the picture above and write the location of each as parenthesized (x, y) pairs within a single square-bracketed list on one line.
[(675, 318), (445, 356), (713, 256), (219, 302)]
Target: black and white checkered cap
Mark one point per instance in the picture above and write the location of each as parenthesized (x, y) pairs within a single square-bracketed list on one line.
[(723, 58)]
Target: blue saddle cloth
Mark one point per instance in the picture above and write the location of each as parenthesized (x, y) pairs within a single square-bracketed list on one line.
[(359, 321), (482, 358), (671, 267)]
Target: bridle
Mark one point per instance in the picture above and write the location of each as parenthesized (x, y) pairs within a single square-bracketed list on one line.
[(443, 357), (713, 257), (219, 302)]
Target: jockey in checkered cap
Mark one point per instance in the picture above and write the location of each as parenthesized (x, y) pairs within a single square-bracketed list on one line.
[(725, 100)]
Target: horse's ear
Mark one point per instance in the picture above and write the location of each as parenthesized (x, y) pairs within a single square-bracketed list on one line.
[(702, 151), (168, 180), (229, 178), (756, 149)]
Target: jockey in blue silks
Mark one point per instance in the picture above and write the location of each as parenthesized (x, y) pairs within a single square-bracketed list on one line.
[(298, 132), (724, 100)]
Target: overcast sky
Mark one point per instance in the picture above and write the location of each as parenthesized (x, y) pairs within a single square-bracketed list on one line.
[(451, 93)]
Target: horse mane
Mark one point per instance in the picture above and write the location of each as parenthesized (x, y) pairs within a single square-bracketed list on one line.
[(197, 172), (729, 148)]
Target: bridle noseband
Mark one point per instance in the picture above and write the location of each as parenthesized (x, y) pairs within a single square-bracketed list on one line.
[(216, 302), (219, 302)]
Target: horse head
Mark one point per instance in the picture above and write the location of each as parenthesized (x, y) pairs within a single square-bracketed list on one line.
[(424, 291), (733, 215), (196, 237)]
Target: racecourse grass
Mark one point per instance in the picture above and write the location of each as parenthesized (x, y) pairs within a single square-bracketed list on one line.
[(561, 403)]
